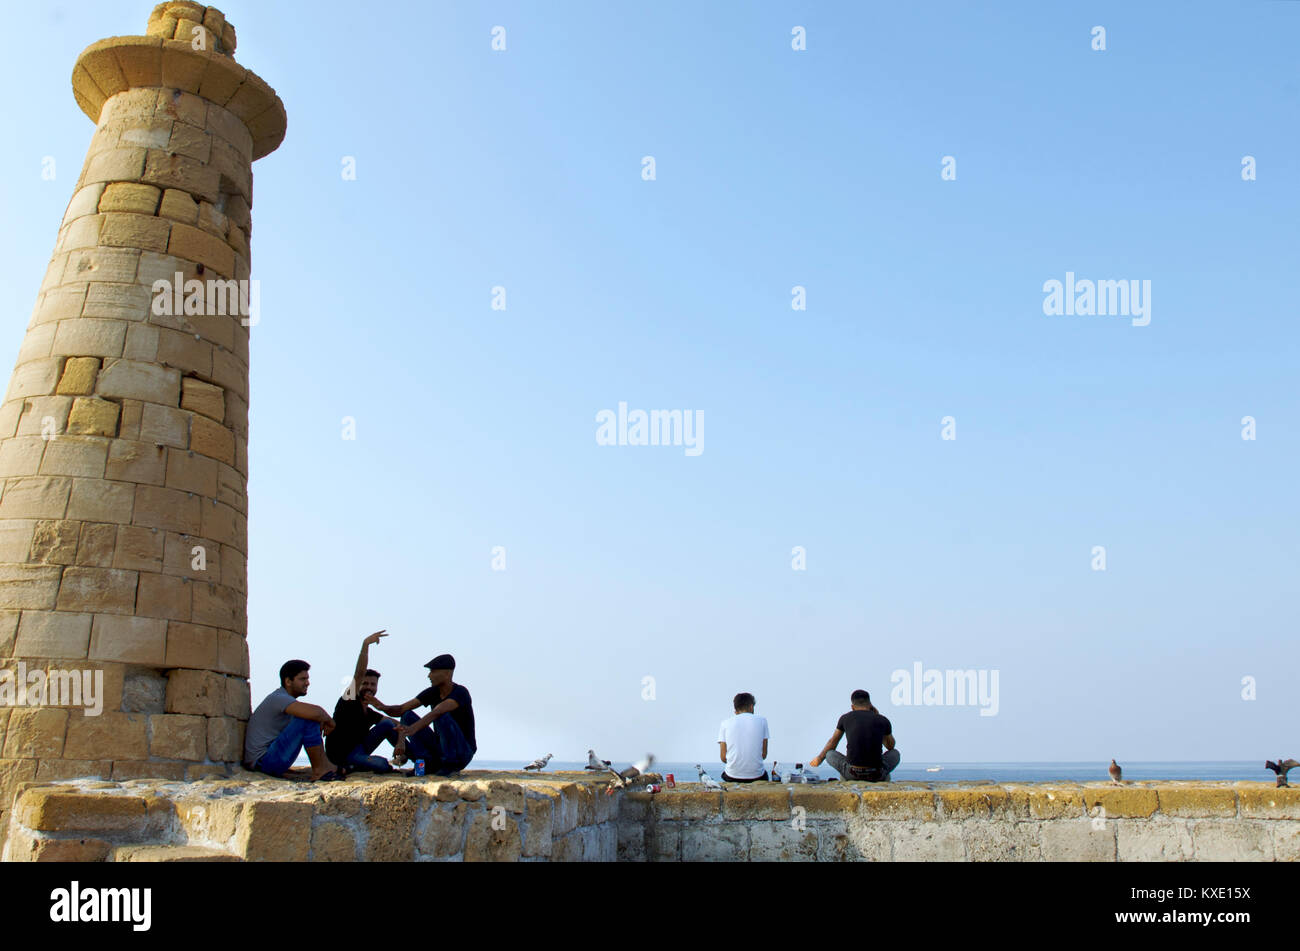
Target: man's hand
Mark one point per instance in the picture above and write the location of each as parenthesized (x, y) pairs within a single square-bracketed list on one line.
[(374, 638), (815, 761), (327, 725)]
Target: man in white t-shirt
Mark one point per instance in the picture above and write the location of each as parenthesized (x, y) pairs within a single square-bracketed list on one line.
[(743, 740)]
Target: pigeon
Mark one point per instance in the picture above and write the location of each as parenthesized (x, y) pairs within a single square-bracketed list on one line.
[(1281, 767), (708, 781), (595, 762), (540, 763), (1116, 774), (632, 772)]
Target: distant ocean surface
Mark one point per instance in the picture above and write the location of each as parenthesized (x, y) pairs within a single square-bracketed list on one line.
[(968, 772)]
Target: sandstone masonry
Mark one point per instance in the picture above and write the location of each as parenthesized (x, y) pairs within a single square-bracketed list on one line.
[(124, 434)]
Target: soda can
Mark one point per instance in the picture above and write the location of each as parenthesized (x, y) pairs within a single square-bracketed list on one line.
[(653, 788), (672, 783), (419, 767)]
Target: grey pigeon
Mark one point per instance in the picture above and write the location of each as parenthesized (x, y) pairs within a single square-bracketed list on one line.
[(595, 762), (540, 763), (708, 781), (1116, 774), (639, 769), (1281, 767)]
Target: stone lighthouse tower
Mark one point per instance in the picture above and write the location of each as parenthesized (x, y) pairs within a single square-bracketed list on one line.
[(124, 431)]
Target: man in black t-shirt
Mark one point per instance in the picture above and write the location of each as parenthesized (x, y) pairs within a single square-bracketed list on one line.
[(867, 730), (451, 744), (359, 729)]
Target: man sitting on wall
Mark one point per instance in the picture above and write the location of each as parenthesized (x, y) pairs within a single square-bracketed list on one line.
[(282, 725), (743, 742), (866, 730), (359, 729), (453, 746)]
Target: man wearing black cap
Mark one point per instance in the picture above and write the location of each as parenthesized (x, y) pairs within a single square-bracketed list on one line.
[(450, 745)]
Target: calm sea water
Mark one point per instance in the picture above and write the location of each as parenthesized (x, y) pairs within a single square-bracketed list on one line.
[(968, 772)]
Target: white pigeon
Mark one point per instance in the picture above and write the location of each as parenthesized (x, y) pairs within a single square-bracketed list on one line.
[(595, 762), (540, 763), (708, 781), (638, 769)]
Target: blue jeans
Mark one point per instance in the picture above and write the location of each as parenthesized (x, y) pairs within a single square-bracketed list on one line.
[(279, 756), (446, 752), (360, 757)]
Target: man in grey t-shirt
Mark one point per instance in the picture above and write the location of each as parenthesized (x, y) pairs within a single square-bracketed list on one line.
[(282, 725)]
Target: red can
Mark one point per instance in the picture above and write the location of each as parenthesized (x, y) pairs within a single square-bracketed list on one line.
[(672, 783)]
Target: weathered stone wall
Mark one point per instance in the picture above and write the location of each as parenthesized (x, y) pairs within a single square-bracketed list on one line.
[(124, 432), (486, 816)]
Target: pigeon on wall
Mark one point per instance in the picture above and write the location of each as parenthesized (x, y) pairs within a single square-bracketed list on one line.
[(595, 762), (708, 781), (1116, 774), (540, 763), (1281, 767)]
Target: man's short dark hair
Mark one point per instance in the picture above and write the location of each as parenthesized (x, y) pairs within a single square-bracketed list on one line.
[(742, 700), (860, 698), (291, 669), (370, 673)]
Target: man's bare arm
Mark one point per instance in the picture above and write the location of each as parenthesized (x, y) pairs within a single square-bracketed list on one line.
[(363, 659), (833, 742), (889, 741), (446, 706), (309, 711), (764, 748), (723, 744)]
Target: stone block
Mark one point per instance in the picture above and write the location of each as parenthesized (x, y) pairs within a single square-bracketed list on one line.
[(79, 375), (1266, 801), (53, 634), (29, 587), (1122, 801), (196, 691), (60, 303), (125, 230), (880, 803), (493, 837), (22, 456), (97, 590), (127, 302), (179, 737), (190, 556), (129, 640), (15, 545), (111, 265), (96, 500), (1196, 801), (868, 840), (724, 842), (185, 351), (108, 736), (238, 703), (194, 244), (54, 541), (224, 524), (230, 372), (190, 472), (817, 800), (130, 197), (1232, 840), (1078, 840), (203, 398), (35, 733), (781, 842), (82, 233), (141, 343), (163, 596), (179, 206), (180, 172), (36, 345), (928, 842), (1156, 840), (138, 549), (192, 646), (144, 691), (212, 440), (168, 509), (225, 739), (232, 654), (24, 847), (1002, 840), (114, 165), (170, 853), (977, 802), (274, 832), (93, 417), (95, 545), (76, 455), (130, 379), (391, 811), (333, 842), (756, 801), (85, 201), (164, 425), (688, 803), (441, 834), (38, 378), (218, 606)]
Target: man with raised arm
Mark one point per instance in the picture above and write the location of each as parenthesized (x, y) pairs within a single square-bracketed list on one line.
[(359, 729), (282, 725), (450, 745), (867, 730)]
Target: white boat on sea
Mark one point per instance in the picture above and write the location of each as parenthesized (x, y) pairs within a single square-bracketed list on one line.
[(934, 769)]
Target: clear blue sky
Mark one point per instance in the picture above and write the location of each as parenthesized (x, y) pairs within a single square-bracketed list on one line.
[(476, 427)]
